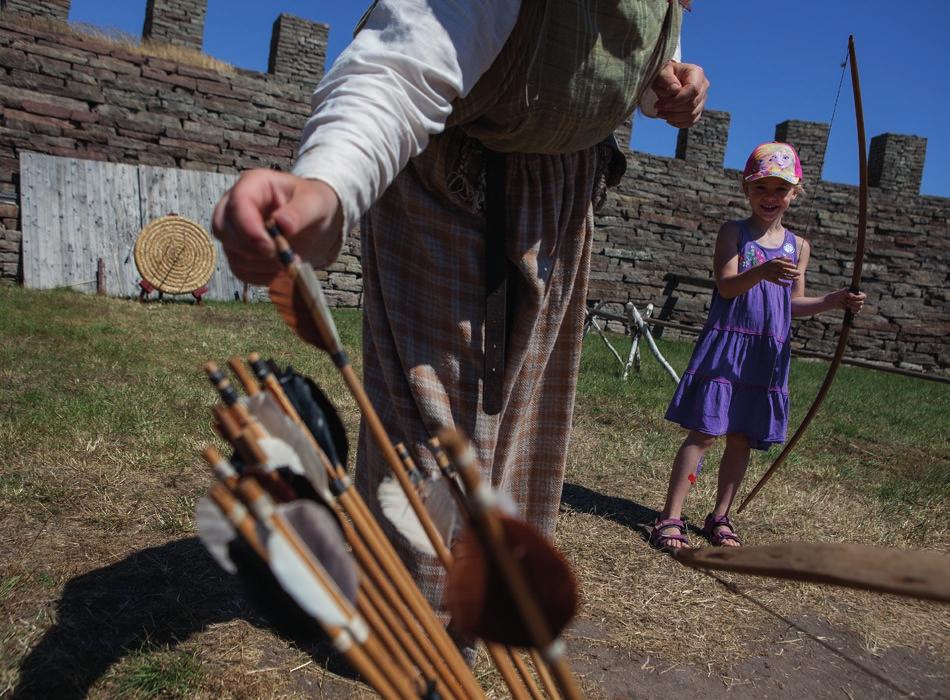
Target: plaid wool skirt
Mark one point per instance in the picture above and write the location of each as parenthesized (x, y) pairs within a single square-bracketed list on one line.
[(423, 260)]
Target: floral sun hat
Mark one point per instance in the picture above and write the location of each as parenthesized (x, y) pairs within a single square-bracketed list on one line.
[(773, 159)]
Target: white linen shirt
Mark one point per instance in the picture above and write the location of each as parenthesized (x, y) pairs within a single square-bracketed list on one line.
[(393, 87)]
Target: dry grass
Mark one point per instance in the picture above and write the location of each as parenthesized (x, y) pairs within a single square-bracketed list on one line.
[(681, 615), (840, 485), (104, 409), (130, 43)]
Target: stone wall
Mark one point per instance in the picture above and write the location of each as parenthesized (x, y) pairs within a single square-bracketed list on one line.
[(666, 213), (298, 49), (67, 94), (50, 9), (178, 22)]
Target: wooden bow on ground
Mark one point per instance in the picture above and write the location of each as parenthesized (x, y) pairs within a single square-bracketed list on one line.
[(917, 574), (855, 281)]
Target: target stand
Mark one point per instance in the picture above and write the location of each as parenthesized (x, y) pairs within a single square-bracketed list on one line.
[(637, 325), (174, 255)]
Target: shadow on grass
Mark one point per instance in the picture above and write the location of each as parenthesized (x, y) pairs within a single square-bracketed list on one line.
[(154, 598), (639, 519), (630, 514)]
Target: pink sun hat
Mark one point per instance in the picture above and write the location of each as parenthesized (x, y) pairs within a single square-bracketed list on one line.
[(773, 159)]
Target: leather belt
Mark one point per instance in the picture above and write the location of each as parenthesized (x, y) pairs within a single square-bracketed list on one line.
[(498, 269)]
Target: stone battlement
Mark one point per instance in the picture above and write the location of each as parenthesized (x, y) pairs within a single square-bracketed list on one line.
[(895, 162), (68, 94), (298, 47)]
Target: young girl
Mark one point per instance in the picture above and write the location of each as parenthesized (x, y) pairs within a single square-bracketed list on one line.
[(737, 380)]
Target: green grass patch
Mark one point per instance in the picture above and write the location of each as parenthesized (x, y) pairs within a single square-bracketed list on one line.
[(8, 585), (927, 483), (156, 673), (82, 376), (883, 435), (47, 580)]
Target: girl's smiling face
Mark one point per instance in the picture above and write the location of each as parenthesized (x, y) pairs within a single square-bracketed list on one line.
[(769, 197)]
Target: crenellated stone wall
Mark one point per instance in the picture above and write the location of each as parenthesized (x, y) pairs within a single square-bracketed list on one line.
[(64, 93), (49, 9), (666, 213), (896, 163), (178, 22), (298, 49), (68, 94)]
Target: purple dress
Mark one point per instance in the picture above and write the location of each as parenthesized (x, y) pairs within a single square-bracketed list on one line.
[(737, 378)]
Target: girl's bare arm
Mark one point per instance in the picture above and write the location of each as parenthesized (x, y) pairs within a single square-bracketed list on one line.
[(809, 306)]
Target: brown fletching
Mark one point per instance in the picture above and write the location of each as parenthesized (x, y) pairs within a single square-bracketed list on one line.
[(292, 305), (478, 598)]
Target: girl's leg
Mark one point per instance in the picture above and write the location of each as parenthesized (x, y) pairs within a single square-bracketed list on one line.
[(735, 460), (732, 468), (687, 458), (690, 453)]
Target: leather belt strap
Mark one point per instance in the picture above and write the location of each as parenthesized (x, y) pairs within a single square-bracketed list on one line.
[(496, 283)]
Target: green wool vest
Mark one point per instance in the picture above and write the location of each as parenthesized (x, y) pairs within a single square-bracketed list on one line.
[(569, 74)]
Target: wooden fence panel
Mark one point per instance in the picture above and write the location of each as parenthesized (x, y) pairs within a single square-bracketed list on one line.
[(77, 211)]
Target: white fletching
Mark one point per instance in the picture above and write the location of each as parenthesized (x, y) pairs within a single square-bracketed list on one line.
[(263, 407), (438, 502), (296, 578), (280, 454), (215, 532), (320, 533)]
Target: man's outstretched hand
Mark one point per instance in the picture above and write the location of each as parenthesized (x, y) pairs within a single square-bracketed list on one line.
[(307, 212)]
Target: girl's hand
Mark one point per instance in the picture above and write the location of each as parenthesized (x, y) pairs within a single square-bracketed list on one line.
[(845, 299), (781, 271)]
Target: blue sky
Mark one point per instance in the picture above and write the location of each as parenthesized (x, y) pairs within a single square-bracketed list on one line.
[(767, 62)]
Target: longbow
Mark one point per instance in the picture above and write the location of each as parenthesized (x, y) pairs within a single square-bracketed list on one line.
[(848, 321)]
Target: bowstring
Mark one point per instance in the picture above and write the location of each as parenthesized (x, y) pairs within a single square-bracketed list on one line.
[(831, 123), (844, 64)]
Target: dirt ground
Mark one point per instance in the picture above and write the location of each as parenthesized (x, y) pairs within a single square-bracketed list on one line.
[(167, 596), (798, 658)]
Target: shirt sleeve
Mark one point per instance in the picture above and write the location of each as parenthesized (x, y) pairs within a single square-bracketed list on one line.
[(393, 87)]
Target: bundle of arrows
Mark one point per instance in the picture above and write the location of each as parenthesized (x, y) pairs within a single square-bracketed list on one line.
[(284, 516)]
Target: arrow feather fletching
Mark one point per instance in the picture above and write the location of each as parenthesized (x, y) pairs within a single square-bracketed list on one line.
[(438, 502), (215, 532), (301, 584), (263, 407)]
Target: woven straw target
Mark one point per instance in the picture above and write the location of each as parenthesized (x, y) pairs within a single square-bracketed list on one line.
[(174, 255)]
